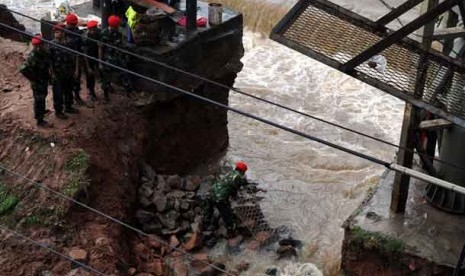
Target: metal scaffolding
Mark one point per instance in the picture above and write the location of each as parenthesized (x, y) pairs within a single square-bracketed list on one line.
[(344, 40)]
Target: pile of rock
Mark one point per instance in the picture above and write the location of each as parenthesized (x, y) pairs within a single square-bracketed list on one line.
[(7, 18), (168, 204)]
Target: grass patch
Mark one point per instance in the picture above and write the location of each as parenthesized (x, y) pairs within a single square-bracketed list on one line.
[(8, 200), (375, 241), (76, 168)]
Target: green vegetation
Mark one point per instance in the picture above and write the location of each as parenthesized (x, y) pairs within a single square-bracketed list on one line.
[(375, 241), (76, 168), (8, 201)]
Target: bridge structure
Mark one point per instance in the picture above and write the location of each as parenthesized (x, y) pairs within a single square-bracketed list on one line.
[(430, 81)]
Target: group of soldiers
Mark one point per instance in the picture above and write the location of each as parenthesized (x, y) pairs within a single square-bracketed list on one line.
[(62, 68)]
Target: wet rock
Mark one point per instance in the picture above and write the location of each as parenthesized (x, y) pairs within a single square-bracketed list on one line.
[(174, 242), (190, 195), (272, 271), (253, 245), (262, 236), (242, 267), (132, 271), (162, 185), (148, 172), (169, 219), (180, 269), (152, 227), (78, 255), (145, 191), (290, 242), (144, 216), (145, 202), (142, 252), (185, 205), (102, 241), (200, 261), (373, 216), (78, 272), (193, 242), (222, 231), (153, 242), (213, 271), (167, 232), (236, 241), (177, 204), (155, 267), (174, 182), (286, 251), (160, 201), (193, 183), (185, 225), (176, 194), (190, 215)]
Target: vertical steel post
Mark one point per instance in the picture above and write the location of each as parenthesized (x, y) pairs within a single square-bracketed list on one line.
[(411, 120), (191, 10)]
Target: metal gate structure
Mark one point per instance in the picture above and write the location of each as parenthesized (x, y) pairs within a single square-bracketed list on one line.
[(345, 41)]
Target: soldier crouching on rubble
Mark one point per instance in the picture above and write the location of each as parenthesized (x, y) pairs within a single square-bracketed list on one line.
[(36, 69), (225, 188)]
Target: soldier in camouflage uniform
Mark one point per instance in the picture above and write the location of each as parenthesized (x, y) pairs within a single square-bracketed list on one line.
[(36, 69), (222, 190), (91, 48), (74, 41), (113, 36), (63, 70)]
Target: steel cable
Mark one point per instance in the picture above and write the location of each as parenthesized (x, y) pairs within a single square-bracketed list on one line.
[(241, 92)]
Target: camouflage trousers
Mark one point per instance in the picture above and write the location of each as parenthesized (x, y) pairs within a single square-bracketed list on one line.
[(39, 93), (111, 75), (226, 213)]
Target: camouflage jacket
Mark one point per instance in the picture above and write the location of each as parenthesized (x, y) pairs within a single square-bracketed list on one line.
[(116, 39), (90, 47), (227, 186), (74, 41), (63, 62), (36, 68)]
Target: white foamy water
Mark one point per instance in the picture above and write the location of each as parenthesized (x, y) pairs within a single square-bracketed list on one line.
[(312, 188)]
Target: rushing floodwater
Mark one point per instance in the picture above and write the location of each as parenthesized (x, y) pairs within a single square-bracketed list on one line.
[(312, 188)]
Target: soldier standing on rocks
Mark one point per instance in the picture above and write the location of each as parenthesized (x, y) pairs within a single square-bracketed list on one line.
[(36, 69), (91, 48), (225, 188), (63, 69), (74, 41), (113, 36)]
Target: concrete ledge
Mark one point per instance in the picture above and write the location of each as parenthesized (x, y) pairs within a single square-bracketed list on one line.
[(423, 241)]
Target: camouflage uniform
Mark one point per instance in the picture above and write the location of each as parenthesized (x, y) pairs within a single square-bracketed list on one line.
[(36, 69), (75, 42), (222, 190), (63, 66), (115, 57), (90, 48)]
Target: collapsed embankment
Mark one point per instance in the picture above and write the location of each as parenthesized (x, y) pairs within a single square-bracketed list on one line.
[(93, 157)]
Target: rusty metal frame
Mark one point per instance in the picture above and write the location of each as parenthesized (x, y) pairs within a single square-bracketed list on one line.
[(280, 29)]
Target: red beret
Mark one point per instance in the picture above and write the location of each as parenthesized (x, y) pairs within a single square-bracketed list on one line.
[(241, 166), (114, 21), (36, 40), (71, 19), (59, 27), (92, 24)]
